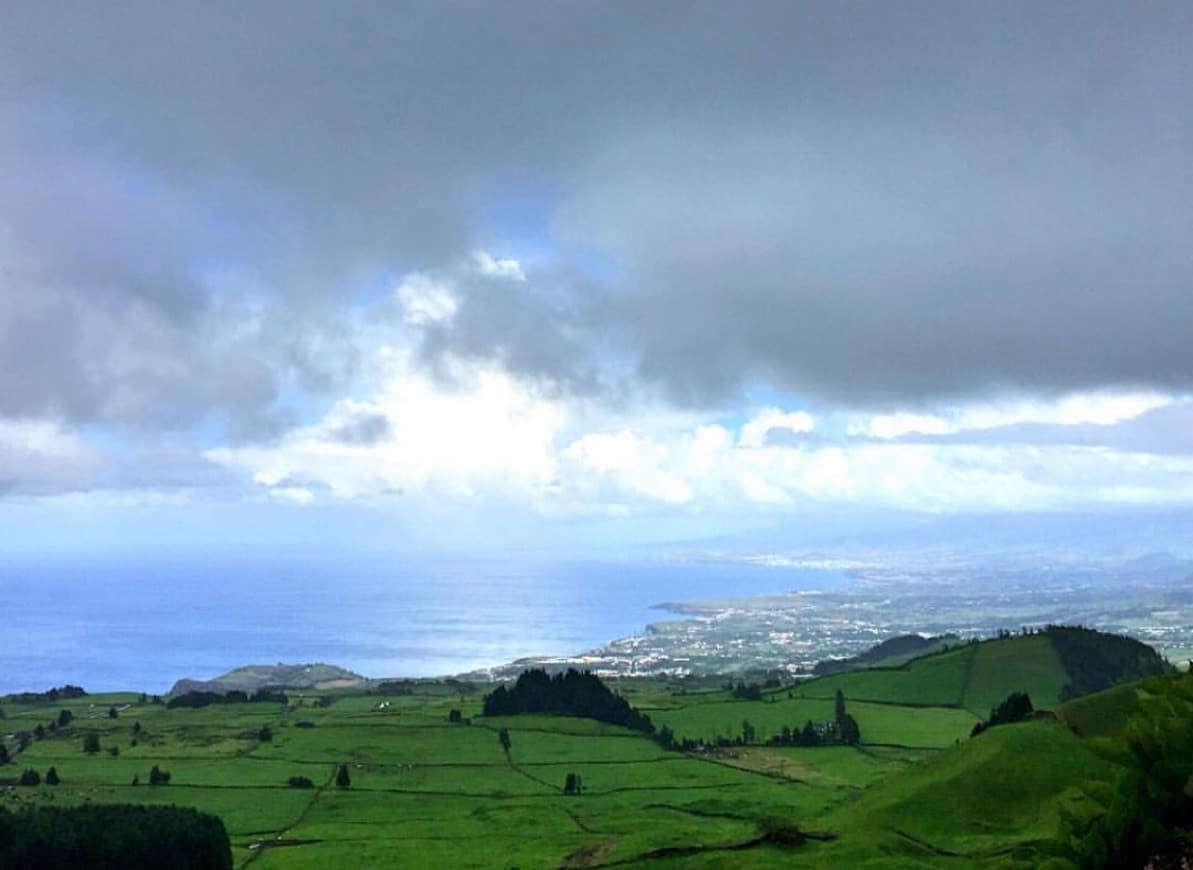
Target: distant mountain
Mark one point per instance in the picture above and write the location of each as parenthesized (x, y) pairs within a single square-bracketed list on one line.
[(253, 677)]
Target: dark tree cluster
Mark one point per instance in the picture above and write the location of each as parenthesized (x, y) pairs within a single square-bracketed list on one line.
[(745, 691), (568, 694), (51, 696), (1015, 707), (300, 782), (113, 836), (1095, 661), (572, 784), (191, 700), (157, 776)]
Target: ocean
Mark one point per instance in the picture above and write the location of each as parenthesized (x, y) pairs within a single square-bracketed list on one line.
[(140, 623)]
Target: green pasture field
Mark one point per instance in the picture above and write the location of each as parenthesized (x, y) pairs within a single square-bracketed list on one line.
[(429, 793)]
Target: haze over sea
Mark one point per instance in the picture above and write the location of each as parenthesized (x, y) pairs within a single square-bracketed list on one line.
[(142, 622)]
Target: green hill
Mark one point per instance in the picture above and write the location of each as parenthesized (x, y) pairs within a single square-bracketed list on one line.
[(1051, 666)]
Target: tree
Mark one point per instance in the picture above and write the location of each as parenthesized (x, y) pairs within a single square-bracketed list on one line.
[(453, 715), (265, 735), (157, 776), (137, 727), (64, 718), (570, 784), (503, 737), (747, 731), (850, 733), (91, 743), (840, 706), (808, 736), (3, 754), (300, 782), (52, 776), (29, 777), (40, 731), (112, 714), (343, 780)]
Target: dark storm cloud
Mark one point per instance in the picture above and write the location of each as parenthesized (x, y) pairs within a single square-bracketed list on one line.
[(872, 203)]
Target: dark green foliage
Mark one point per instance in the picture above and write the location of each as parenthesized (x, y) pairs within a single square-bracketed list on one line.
[(112, 712), (781, 832), (568, 694), (194, 700), (850, 733), (395, 687), (809, 736), (503, 737), (1096, 661), (40, 731), (3, 715), (265, 735), (748, 691), (747, 732), (29, 776), (137, 727), (235, 696), (106, 837), (64, 718), (3, 753), (157, 776), (114, 751), (343, 780), (91, 743), (304, 724), (1144, 817), (571, 784), (49, 697), (454, 716), (52, 776), (665, 737), (1014, 708), (269, 695), (300, 782)]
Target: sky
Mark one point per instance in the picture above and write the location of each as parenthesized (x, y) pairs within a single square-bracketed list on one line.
[(472, 273)]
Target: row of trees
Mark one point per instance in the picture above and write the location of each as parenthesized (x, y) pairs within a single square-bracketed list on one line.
[(1015, 707), (192, 700), (842, 729)]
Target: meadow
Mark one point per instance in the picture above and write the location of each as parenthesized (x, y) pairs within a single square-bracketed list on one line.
[(426, 791)]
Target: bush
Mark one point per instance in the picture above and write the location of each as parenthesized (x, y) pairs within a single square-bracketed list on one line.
[(52, 776), (29, 777), (91, 743), (343, 780), (157, 776), (300, 782)]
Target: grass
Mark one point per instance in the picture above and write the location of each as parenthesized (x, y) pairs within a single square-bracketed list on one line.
[(916, 793)]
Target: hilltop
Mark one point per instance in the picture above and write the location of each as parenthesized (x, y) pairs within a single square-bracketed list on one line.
[(250, 678)]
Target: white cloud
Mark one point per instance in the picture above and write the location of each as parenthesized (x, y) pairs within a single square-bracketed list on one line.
[(39, 457), (1103, 408), (754, 432)]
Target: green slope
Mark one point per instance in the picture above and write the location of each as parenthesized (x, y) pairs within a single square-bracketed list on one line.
[(988, 800), (1049, 666)]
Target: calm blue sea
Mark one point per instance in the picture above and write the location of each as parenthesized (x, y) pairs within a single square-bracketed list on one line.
[(119, 623)]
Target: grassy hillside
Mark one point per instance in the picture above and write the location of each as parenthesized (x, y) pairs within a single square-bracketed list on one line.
[(425, 791), (1049, 666)]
